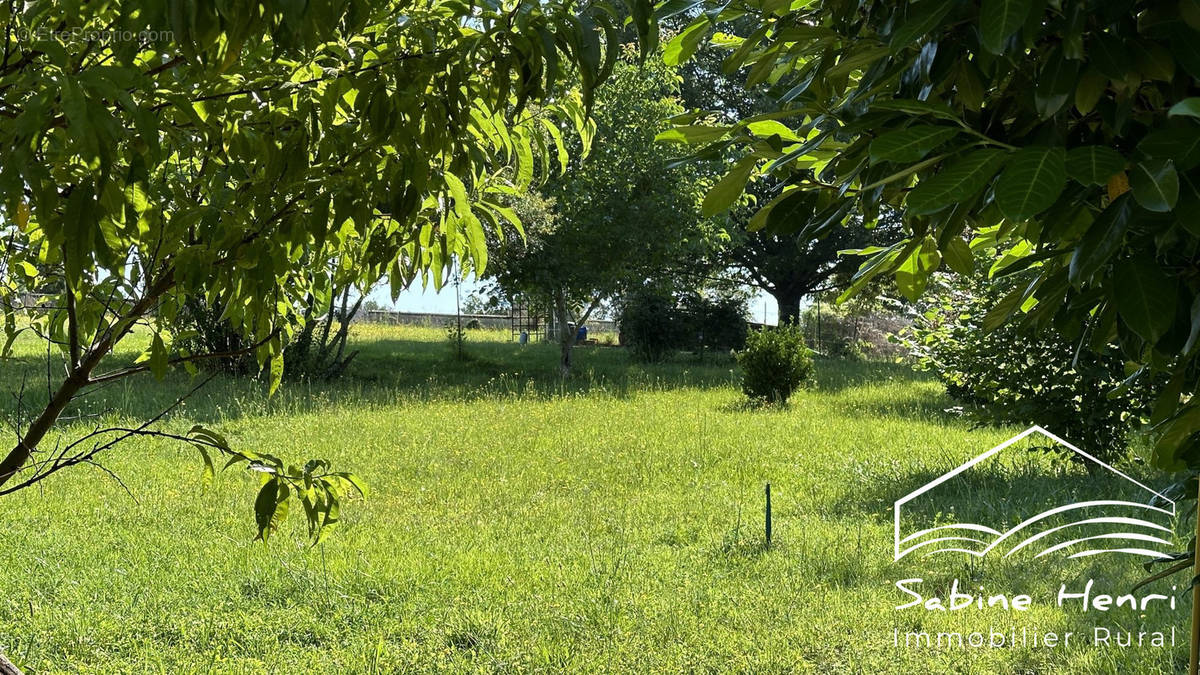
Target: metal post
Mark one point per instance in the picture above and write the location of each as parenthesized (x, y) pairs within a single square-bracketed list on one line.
[(768, 515)]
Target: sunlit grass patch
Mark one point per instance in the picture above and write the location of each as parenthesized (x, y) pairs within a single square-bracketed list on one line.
[(517, 522)]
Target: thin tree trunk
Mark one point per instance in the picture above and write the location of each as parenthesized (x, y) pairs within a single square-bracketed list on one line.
[(566, 337), (7, 667), (343, 336), (76, 380)]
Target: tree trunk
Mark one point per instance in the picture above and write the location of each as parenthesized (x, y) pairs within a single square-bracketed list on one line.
[(789, 306), (76, 380), (564, 362), (566, 336), (7, 668)]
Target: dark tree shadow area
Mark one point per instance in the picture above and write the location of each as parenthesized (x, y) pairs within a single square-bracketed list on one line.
[(384, 372), (389, 371), (1020, 481)]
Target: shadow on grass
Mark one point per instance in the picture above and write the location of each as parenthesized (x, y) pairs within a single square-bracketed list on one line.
[(916, 405), (386, 371), (836, 375), (1021, 481), (390, 371)]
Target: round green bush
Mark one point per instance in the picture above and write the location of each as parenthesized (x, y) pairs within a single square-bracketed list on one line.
[(774, 363), (648, 324)]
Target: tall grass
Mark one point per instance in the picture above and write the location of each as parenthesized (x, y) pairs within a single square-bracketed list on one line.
[(518, 522)]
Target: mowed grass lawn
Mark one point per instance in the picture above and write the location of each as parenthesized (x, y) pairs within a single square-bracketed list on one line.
[(614, 524)]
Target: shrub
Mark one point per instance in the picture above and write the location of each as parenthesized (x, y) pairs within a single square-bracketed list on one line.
[(713, 323), (649, 325), (846, 347), (858, 329), (1006, 376), (774, 364), (655, 323), (209, 333)]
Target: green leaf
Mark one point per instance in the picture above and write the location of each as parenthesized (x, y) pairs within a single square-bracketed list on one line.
[(1155, 185), (158, 357), (1144, 297), (1180, 144), (1184, 47), (796, 211), (331, 516), (643, 21), (1190, 11), (998, 19), (958, 181), (1188, 106), (726, 191), (560, 148), (357, 483), (1093, 164), (958, 256), (1091, 86), (768, 128), (1167, 401), (691, 134), (683, 45), (879, 263), (265, 505), (1101, 241), (1055, 83), (909, 279), (458, 192), (913, 274), (921, 18), (915, 107), (209, 436), (911, 144), (793, 204), (524, 148), (1188, 205), (1194, 333), (1032, 181), (1173, 439), (209, 469), (1004, 309), (276, 373), (10, 333), (1107, 53)]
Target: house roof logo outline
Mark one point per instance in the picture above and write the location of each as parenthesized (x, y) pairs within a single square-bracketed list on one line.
[(912, 543)]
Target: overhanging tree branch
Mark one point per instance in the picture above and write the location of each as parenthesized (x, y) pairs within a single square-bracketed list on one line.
[(133, 370)]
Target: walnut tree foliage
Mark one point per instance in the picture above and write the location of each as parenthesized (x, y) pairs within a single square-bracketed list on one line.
[(1002, 376), (161, 152), (1064, 133)]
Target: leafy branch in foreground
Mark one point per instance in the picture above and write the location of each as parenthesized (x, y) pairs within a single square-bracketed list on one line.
[(220, 151), (319, 490)]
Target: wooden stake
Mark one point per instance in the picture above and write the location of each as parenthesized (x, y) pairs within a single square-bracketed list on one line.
[(768, 515)]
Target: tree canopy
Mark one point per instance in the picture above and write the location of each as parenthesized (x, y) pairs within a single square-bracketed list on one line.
[(619, 216), (156, 152), (1062, 134)]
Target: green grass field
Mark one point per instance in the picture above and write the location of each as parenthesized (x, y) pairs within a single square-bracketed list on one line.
[(516, 524)]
